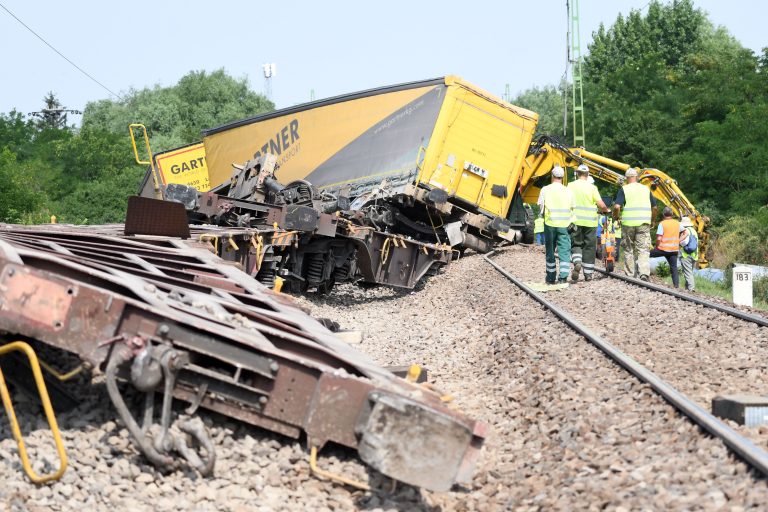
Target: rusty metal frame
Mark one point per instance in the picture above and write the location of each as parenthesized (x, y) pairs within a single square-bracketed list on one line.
[(252, 354)]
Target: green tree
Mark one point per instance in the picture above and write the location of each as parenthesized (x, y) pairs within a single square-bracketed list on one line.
[(669, 90), (85, 175), (18, 195), (16, 134), (176, 115), (548, 102)]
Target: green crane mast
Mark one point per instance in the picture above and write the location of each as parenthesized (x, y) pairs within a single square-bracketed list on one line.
[(575, 61)]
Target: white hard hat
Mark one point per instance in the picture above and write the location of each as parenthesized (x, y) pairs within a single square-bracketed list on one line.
[(685, 222), (631, 172), (558, 171), (582, 168)]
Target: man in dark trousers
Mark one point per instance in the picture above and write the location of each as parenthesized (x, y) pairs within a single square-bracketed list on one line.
[(586, 201), (668, 242), (556, 201)]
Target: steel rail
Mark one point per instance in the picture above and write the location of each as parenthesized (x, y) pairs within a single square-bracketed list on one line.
[(760, 320), (743, 447)]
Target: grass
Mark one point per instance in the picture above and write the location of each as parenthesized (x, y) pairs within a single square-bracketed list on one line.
[(707, 287)]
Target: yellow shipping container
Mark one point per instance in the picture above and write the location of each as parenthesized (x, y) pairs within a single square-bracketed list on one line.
[(444, 134)]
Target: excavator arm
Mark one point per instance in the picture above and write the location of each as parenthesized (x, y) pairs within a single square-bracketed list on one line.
[(547, 152)]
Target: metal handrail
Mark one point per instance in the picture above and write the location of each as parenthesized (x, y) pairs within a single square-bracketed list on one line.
[(34, 364)]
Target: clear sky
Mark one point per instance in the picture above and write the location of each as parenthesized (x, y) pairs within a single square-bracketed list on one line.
[(333, 47)]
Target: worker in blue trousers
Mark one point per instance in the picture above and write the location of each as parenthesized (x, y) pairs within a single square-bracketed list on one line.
[(556, 201)]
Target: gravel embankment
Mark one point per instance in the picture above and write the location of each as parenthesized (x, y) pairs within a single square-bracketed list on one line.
[(569, 430), (700, 351)]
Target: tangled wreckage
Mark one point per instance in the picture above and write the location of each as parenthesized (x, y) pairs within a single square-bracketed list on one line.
[(182, 302), (177, 302), (176, 321)]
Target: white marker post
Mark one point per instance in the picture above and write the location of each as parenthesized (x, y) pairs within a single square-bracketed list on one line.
[(742, 286)]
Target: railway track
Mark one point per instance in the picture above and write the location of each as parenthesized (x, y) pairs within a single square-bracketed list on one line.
[(745, 448), (757, 319), (569, 429)]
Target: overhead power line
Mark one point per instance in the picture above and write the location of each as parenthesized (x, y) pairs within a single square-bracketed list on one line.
[(61, 54)]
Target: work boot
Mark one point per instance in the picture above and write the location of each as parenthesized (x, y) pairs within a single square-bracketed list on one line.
[(562, 280), (576, 271), (588, 277), (644, 277)]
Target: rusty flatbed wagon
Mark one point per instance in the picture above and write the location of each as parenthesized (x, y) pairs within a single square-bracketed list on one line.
[(173, 319)]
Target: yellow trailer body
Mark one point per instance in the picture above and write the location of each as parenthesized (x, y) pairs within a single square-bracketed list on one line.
[(442, 133), (185, 165), (477, 149)]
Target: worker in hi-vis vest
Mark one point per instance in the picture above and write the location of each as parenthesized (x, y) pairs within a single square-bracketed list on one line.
[(636, 206), (586, 201), (538, 229), (668, 242), (688, 259), (556, 201)]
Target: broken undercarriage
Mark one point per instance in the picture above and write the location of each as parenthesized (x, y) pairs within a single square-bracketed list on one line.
[(172, 318)]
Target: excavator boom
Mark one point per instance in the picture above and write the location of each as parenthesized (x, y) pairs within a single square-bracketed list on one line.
[(547, 152)]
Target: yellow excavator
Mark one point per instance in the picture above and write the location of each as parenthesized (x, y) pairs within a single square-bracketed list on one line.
[(547, 152)]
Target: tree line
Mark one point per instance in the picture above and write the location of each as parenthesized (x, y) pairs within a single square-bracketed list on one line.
[(667, 89), (84, 175), (663, 89)]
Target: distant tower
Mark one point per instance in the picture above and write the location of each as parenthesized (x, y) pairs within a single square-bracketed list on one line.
[(53, 115), (311, 95), (576, 87), (506, 96), (270, 70)]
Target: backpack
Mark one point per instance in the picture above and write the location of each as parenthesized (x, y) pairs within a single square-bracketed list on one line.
[(692, 245)]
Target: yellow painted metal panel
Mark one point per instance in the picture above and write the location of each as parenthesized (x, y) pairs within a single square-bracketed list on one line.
[(479, 141), (186, 165), (302, 140)]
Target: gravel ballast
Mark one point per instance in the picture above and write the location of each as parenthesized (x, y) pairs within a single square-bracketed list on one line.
[(568, 429), (700, 351)]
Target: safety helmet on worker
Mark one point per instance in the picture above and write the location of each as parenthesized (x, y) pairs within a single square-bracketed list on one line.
[(558, 171), (631, 173), (582, 168)]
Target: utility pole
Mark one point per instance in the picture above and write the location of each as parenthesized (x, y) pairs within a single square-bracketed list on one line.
[(53, 115), (270, 70), (577, 91)]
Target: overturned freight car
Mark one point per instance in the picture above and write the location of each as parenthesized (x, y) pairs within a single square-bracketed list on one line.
[(178, 323), (437, 160)]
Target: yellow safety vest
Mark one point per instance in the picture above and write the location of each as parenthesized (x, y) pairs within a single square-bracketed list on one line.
[(637, 205), (538, 225), (557, 205), (695, 254), (584, 205)]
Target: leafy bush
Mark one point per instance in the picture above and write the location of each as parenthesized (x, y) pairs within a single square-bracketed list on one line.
[(760, 289), (742, 240), (663, 270)]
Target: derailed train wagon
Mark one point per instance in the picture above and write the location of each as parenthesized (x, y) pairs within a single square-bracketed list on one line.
[(171, 319), (440, 159)]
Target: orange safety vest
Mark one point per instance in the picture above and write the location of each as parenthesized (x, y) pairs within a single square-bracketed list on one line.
[(670, 238)]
